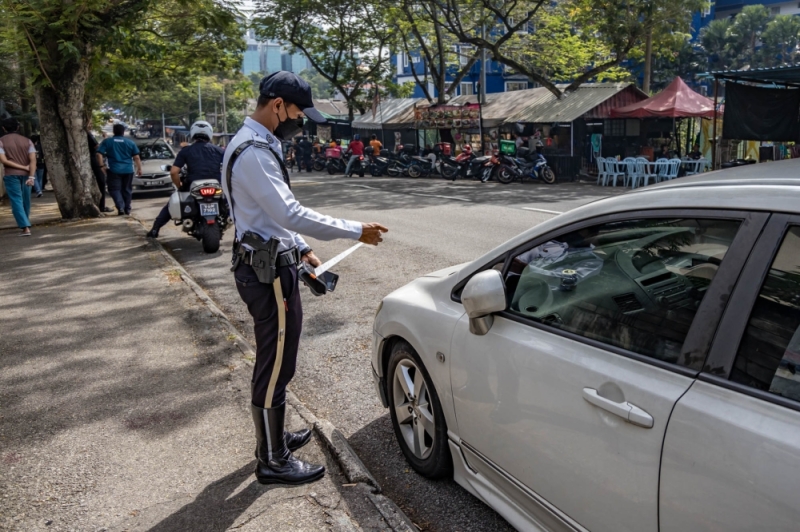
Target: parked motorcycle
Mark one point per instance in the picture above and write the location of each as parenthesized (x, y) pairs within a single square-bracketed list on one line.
[(379, 164), (319, 162), (532, 165), (475, 167), (202, 212), (335, 165)]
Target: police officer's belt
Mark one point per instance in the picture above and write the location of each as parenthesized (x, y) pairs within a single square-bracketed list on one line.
[(287, 258)]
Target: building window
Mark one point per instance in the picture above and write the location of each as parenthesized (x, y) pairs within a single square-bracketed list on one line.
[(775, 10), (416, 58), (614, 128), (707, 10), (516, 86), (465, 54), (405, 60), (467, 89)]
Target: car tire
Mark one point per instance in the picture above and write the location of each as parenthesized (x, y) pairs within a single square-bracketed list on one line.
[(424, 443)]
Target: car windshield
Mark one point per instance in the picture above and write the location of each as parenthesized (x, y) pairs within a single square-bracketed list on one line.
[(155, 150)]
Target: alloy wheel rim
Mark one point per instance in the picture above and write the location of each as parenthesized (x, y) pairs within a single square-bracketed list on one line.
[(413, 409)]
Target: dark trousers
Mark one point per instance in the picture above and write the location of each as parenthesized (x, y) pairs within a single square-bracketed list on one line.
[(277, 323), (120, 187), (100, 177), (162, 218), (307, 163)]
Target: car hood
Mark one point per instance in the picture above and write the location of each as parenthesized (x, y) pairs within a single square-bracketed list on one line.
[(153, 166), (446, 272)]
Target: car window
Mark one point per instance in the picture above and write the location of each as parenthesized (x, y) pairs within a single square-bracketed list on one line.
[(635, 284), (158, 150), (769, 353)]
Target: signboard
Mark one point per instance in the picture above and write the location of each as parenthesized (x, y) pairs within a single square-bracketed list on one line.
[(465, 116), (324, 132)]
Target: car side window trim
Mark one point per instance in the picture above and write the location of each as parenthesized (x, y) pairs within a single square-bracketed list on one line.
[(700, 337), (749, 390), (734, 320)]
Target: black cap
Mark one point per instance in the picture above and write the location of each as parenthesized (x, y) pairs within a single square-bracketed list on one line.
[(293, 89)]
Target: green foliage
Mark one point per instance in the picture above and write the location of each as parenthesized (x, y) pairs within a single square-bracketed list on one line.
[(320, 87), (347, 42)]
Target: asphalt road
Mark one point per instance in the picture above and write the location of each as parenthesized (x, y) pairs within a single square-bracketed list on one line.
[(433, 224)]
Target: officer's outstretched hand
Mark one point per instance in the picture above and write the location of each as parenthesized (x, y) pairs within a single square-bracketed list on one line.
[(371, 233)]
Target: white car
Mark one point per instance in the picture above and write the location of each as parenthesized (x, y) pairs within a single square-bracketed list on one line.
[(157, 158), (632, 365)]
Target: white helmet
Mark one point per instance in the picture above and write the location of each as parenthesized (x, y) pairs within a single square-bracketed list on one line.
[(201, 127)]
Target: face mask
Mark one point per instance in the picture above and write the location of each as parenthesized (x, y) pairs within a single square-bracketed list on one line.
[(289, 128)]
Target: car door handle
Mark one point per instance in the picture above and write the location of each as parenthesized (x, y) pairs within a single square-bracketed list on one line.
[(627, 411)]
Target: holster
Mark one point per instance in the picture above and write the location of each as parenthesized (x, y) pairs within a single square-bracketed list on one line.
[(262, 255)]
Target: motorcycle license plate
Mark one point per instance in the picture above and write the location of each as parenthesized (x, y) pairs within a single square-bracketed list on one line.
[(209, 209)]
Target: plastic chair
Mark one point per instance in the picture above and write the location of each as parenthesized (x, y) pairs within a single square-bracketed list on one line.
[(632, 175), (643, 169), (662, 168), (602, 171), (674, 168), (613, 171)]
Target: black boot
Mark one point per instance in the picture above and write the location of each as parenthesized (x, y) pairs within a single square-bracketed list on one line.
[(152, 233), (276, 463), (294, 440)]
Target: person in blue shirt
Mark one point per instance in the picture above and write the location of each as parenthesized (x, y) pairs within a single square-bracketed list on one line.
[(202, 160), (121, 153)]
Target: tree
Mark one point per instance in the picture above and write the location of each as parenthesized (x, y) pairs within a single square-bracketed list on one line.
[(745, 33), (781, 38), (715, 39), (552, 42), (347, 42), (83, 52), (421, 32), (320, 87)]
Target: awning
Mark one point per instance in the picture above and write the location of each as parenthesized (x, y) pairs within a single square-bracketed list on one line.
[(780, 75), (590, 100), (386, 114), (676, 101)]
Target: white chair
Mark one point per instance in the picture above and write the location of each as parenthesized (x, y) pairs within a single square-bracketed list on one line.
[(613, 171), (662, 167), (643, 169), (602, 171), (674, 168), (632, 172)]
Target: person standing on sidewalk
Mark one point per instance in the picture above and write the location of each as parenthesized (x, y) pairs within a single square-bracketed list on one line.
[(266, 214), (122, 154), (18, 156), (97, 169)]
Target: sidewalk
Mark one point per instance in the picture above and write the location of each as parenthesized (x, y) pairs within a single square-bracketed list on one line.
[(125, 401), (43, 210)]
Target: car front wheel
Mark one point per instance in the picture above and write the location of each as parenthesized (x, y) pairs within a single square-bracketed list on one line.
[(417, 415)]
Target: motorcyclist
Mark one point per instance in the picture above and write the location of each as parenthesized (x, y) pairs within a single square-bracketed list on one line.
[(356, 150), (202, 159)]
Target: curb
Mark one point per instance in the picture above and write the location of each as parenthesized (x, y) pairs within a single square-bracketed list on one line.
[(346, 458)]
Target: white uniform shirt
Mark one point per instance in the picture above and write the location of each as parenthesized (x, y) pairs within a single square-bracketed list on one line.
[(264, 204)]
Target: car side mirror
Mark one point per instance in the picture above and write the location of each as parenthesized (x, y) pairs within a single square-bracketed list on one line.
[(484, 295)]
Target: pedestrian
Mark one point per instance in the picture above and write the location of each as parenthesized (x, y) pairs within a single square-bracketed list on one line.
[(202, 160), (97, 169), (18, 156), (38, 183), (122, 154), (307, 148), (356, 149), (264, 209), (376, 145)]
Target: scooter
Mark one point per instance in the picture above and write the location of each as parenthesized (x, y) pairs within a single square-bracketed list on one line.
[(202, 212), (358, 167), (379, 164), (480, 168)]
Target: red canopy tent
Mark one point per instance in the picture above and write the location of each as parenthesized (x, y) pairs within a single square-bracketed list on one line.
[(676, 101)]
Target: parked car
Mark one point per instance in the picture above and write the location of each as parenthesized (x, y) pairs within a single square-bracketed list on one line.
[(157, 157), (630, 365)]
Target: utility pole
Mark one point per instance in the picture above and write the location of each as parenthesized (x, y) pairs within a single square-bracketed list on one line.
[(199, 100), (482, 91), (216, 116), (163, 127), (224, 112)]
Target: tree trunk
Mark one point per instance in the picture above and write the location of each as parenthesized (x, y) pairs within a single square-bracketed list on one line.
[(65, 144), (648, 62)]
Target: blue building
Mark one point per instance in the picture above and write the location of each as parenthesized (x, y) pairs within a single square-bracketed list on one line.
[(499, 78), (269, 56), (730, 8)]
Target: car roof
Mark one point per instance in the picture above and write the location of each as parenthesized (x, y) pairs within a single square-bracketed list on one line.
[(773, 186)]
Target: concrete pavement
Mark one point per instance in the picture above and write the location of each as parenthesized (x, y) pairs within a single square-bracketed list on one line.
[(125, 401)]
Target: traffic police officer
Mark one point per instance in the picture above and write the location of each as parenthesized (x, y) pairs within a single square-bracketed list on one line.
[(269, 221), (202, 160)]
